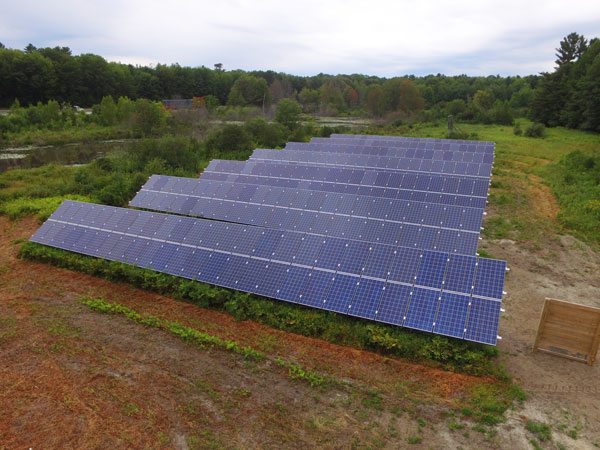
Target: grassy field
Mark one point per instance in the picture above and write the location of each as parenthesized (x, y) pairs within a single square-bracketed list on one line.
[(526, 165)]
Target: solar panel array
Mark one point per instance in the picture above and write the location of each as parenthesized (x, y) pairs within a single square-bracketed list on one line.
[(382, 228)]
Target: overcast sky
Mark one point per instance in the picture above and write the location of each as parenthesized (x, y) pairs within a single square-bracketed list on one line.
[(305, 37)]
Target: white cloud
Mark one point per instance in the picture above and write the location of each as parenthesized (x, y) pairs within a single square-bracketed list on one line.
[(307, 37)]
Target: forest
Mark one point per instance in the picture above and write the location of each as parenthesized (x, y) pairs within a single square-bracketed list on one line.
[(569, 96)]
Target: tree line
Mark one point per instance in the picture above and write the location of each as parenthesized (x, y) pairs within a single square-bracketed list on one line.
[(568, 96)]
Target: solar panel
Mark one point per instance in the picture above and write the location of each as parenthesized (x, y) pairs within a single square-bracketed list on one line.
[(468, 169), (437, 188), (453, 153), (341, 215), (290, 266)]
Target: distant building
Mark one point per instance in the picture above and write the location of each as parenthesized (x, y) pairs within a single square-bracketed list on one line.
[(174, 104)]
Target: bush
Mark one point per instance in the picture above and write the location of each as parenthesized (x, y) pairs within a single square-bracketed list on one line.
[(536, 130), (267, 135), (517, 130), (288, 113), (42, 208), (229, 139)]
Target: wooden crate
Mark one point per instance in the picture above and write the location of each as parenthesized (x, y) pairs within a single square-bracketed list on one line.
[(569, 330)]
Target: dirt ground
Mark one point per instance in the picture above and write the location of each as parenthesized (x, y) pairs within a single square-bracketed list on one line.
[(73, 378)]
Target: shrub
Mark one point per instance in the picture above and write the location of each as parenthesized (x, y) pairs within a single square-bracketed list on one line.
[(42, 208), (517, 130), (288, 113), (536, 130)]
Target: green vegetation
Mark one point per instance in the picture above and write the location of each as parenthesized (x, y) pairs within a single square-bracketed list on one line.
[(450, 353), (41, 208), (569, 95), (541, 430), (198, 338), (488, 402), (201, 340), (297, 372), (575, 179)]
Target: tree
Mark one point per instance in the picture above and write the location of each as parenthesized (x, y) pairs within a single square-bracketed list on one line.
[(2, 45), (288, 113), (309, 98), (410, 100), (375, 101), (107, 111), (248, 90), (570, 49)]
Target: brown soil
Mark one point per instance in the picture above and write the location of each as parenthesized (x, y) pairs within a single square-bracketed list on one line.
[(72, 378)]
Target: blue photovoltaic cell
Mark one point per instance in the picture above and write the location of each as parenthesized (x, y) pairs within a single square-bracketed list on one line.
[(366, 297), (379, 258), (341, 290), (421, 310), (432, 269), (451, 316), (405, 264), (488, 283), (459, 275), (350, 203), (392, 306), (482, 322), (316, 289), (294, 281)]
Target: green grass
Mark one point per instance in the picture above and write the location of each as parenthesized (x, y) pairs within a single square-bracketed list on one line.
[(518, 161), (541, 431), (487, 403), (41, 208), (414, 439), (202, 340), (195, 337), (297, 372)]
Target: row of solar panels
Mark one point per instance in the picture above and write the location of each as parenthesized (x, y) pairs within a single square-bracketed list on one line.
[(376, 183), (402, 141), (357, 149), (447, 294), (361, 206), (469, 169), (317, 213)]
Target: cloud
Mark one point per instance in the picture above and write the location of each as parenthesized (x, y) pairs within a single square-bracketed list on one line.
[(306, 37)]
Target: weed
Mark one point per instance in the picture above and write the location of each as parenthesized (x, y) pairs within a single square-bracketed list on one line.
[(488, 402), (541, 430), (454, 425), (8, 327), (373, 400), (63, 329), (573, 433), (131, 409), (414, 439), (242, 392), (163, 438), (297, 372), (203, 386), (196, 337), (535, 444)]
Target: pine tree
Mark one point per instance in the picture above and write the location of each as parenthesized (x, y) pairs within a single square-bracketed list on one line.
[(571, 48)]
